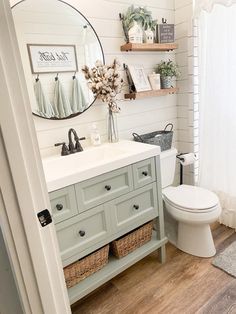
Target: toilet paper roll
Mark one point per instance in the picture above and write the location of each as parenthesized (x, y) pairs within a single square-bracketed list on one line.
[(187, 159)]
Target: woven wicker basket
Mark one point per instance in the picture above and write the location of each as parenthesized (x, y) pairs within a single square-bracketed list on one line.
[(86, 266), (132, 240)]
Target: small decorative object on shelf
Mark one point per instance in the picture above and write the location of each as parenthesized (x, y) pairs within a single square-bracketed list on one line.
[(167, 70), (149, 36), (140, 16), (129, 79), (106, 83), (139, 78), (135, 34), (155, 80), (165, 33)]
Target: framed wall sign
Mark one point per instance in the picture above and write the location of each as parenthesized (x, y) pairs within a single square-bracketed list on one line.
[(165, 33), (52, 58), (139, 78)]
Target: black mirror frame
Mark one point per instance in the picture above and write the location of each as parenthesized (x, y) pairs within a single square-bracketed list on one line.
[(103, 57)]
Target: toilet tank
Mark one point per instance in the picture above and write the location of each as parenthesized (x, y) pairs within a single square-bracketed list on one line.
[(168, 162)]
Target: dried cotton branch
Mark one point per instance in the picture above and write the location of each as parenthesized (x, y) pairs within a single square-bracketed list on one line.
[(105, 82)]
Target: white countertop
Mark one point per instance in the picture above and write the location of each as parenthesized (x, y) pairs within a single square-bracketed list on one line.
[(62, 171)]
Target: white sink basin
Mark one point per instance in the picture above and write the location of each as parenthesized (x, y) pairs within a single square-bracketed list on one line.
[(61, 171)]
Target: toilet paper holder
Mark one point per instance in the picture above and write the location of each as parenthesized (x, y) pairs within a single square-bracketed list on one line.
[(181, 166)]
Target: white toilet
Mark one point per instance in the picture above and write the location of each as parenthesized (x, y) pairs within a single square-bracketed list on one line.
[(191, 208)]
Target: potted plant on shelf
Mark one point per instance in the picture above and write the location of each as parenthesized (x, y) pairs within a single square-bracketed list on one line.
[(167, 70), (137, 17)]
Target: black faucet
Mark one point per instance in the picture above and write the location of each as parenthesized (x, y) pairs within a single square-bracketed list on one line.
[(71, 148), (77, 147)]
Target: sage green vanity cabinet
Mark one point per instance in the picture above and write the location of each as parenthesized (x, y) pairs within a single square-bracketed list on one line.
[(101, 209), (144, 172), (135, 208), (83, 231), (103, 188), (63, 204)]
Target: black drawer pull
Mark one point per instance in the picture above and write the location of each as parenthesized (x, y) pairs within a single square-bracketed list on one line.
[(145, 173), (136, 207), (108, 187), (82, 233), (59, 206)]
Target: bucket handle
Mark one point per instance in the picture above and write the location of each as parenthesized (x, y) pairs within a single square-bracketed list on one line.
[(135, 135), (171, 127)]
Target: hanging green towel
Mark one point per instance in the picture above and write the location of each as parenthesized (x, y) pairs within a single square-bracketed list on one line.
[(78, 101), (45, 108), (61, 101)]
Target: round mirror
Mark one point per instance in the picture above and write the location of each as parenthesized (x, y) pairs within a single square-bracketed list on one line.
[(55, 42)]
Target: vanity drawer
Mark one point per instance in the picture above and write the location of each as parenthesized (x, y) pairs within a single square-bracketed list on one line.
[(100, 189), (144, 172), (84, 230), (134, 209), (63, 203)]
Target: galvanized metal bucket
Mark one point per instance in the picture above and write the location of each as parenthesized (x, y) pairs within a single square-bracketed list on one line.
[(161, 138), (166, 82)]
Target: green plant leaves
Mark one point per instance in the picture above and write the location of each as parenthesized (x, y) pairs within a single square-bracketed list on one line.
[(167, 68), (140, 15)]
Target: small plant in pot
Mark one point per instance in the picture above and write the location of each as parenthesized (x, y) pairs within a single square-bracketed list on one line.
[(167, 70)]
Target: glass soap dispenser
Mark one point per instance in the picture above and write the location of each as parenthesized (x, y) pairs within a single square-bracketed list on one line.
[(95, 135)]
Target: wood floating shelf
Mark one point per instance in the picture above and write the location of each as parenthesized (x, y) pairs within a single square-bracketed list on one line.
[(148, 47), (151, 93)]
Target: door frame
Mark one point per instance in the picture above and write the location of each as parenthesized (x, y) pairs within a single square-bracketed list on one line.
[(33, 249)]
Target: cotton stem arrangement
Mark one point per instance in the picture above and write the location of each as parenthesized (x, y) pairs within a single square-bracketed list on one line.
[(105, 82)]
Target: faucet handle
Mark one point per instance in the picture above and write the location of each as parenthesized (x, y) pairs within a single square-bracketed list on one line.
[(64, 150), (82, 138)]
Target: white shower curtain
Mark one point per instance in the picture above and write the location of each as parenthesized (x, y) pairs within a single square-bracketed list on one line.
[(208, 5), (217, 68)]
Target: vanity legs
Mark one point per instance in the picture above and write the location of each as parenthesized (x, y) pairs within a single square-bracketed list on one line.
[(162, 254)]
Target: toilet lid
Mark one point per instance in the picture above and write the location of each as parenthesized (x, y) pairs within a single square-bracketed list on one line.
[(191, 197)]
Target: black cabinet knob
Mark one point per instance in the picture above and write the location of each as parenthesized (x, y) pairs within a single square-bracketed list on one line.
[(82, 233), (108, 187), (136, 207), (59, 206), (145, 173)]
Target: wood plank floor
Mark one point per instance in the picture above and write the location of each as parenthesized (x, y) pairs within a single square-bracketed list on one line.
[(183, 285)]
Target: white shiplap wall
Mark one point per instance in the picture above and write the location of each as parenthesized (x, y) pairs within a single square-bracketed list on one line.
[(187, 107), (136, 116)]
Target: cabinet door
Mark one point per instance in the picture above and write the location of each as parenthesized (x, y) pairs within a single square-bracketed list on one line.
[(135, 208), (63, 203), (144, 172), (83, 231), (100, 189)]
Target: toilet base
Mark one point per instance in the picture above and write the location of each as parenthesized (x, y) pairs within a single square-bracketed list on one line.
[(195, 239)]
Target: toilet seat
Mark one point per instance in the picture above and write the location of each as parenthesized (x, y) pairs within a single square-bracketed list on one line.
[(183, 209), (190, 198)]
